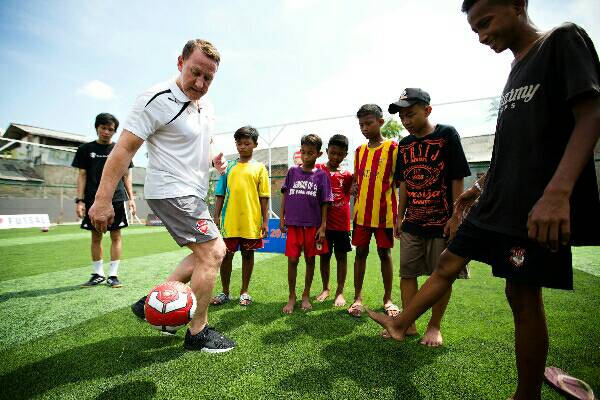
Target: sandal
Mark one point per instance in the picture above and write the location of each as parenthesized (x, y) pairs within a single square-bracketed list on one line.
[(245, 300), (391, 310), (573, 387), (355, 310), (219, 299)]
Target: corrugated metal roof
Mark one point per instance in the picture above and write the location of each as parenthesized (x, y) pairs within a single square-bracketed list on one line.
[(14, 131), (478, 148), (17, 170)]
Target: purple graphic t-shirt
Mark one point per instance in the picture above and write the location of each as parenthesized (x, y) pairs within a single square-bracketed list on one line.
[(305, 192)]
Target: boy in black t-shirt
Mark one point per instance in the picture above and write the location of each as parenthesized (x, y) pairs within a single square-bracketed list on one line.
[(430, 169), (540, 195), (90, 159)]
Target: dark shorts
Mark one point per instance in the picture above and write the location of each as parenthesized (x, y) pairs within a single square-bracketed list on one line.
[(234, 244), (361, 236), (120, 221), (339, 241), (516, 259)]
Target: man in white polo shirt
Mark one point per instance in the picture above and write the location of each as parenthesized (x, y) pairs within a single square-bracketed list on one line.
[(176, 126)]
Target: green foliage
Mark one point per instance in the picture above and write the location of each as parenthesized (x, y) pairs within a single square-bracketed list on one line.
[(391, 129)]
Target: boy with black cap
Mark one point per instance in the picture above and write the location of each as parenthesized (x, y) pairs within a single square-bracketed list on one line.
[(430, 169), (540, 195)]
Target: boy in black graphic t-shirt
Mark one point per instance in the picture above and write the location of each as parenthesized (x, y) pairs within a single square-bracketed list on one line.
[(430, 167), (90, 159), (540, 195)]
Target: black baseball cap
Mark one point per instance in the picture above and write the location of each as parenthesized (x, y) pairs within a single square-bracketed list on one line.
[(409, 97)]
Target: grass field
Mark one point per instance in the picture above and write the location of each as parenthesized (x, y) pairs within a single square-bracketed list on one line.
[(59, 341)]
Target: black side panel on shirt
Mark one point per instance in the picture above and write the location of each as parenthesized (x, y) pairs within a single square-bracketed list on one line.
[(535, 123), (428, 165), (92, 157)]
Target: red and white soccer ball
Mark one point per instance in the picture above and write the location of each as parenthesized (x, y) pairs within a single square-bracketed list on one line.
[(169, 306)]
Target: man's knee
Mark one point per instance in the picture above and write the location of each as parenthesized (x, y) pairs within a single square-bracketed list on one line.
[(450, 265), (115, 236), (523, 298), (96, 237)]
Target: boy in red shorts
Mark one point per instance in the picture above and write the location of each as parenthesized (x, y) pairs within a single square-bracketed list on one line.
[(375, 204), (241, 211), (306, 196)]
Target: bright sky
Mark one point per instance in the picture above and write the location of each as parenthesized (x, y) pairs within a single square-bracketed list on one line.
[(63, 62)]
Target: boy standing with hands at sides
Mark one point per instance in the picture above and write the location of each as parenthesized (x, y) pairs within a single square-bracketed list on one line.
[(540, 194), (241, 211), (338, 218), (375, 206), (306, 196), (430, 169)]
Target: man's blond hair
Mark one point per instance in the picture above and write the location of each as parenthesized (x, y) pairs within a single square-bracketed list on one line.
[(207, 48)]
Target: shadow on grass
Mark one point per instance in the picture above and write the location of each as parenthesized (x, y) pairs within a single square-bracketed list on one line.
[(374, 364), (37, 293), (231, 316), (139, 390), (102, 359)]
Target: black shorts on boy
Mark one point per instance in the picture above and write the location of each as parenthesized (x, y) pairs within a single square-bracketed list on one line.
[(339, 241)]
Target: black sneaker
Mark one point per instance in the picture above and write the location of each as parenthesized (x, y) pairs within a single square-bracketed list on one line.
[(208, 340), (94, 280), (138, 308), (113, 282)]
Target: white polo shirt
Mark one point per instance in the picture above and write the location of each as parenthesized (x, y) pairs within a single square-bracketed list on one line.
[(178, 137)]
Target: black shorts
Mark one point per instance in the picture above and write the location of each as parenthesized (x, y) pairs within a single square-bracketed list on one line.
[(516, 259), (338, 241), (120, 221)]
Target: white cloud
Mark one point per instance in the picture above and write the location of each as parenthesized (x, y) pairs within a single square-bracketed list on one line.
[(97, 90)]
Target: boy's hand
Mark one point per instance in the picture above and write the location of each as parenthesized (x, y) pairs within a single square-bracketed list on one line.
[(264, 229), (132, 207), (80, 209), (354, 189), (282, 225), (217, 221), (464, 202), (549, 221), (397, 228), (452, 226), (321, 234)]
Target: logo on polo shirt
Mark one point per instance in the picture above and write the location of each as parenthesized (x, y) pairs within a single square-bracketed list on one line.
[(94, 155), (202, 226), (517, 256)]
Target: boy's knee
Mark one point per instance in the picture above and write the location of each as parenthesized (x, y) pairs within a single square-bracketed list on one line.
[(450, 265), (247, 255), (362, 252), (384, 254)]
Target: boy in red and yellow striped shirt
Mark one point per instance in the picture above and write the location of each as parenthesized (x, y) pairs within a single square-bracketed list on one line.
[(375, 204)]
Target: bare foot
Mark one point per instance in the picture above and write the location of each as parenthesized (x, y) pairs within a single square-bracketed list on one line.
[(393, 325), (289, 307), (356, 309), (323, 296), (306, 303), (340, 301), (432, 337), (412, 331)]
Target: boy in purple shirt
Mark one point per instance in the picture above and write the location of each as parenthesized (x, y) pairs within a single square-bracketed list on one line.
[(306, 195)]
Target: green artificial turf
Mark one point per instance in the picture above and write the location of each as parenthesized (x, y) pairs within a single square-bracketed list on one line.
[(59, 341)]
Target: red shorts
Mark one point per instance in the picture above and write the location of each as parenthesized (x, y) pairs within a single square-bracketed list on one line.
[(361, 236), (233, 244), (303, 237)]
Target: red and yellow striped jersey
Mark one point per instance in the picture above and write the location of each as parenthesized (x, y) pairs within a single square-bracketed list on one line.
[(375, 204)]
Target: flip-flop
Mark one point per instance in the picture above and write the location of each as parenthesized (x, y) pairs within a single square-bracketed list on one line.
[(391, 308), (355, 310), (220, 299), (245, 298), (566, 384)]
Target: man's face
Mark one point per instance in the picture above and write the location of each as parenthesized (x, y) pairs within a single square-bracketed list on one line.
[(197, 73), (245, 146), (414, 118), (494, 23), (105, 132), (336, 155), (370, 126), (309, 154)]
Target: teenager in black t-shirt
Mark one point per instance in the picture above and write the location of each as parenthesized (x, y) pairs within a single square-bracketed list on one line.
[(430, 167), (540, 195), (90, 159)]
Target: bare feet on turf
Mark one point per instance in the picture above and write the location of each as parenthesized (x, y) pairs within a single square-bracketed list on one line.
[(289, 307), (323, 296), (412, 331), (356, 309), (306, 303), (340, 301), (391, 324), (432, 337)]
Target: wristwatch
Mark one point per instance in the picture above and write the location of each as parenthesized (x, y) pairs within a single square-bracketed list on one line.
[(78, 200)]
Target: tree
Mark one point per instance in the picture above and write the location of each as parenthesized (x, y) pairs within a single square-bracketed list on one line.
[(391, 129)]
